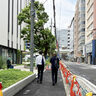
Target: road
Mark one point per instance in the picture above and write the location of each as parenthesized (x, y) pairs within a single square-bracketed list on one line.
[(45, 89), (84, 70)]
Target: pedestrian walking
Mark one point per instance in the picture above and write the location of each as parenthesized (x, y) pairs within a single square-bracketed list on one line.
[(54, 68), (40, 61)]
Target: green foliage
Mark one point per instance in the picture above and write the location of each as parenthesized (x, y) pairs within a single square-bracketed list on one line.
[(2, 62), (43, 38), (48, 61), (11, 76)]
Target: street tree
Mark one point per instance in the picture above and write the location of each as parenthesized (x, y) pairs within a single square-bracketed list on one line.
[(43, 39)]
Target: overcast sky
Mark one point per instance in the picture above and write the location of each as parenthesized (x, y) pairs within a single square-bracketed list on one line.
[(64, 12)]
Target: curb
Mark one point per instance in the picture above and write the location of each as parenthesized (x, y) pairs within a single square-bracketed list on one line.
[(66, 86), (15, 88)]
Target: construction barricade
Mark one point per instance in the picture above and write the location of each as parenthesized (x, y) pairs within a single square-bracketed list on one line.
[(75, 88), (1, 94)]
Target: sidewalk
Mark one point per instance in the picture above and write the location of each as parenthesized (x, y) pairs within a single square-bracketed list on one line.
[(21, 67), (45, 89)]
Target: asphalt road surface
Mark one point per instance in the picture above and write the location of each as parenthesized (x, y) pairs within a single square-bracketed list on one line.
[(84, 70), (44, 89)]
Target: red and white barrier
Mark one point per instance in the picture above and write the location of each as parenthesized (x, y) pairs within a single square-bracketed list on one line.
[(75, 89)]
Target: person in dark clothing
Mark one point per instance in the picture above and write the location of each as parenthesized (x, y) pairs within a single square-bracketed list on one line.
[(9, 63), (54, 67)]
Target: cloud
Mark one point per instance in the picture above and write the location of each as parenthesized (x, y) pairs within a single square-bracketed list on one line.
[(65, 10), (65, 5), (65, 14)]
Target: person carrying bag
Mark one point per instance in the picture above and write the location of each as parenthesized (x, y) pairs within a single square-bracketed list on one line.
[(40, 61)]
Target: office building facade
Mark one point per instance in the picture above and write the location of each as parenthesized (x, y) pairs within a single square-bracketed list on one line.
[(90, 34), (10, 40), (71, 40), (62, 38), (79, 31)]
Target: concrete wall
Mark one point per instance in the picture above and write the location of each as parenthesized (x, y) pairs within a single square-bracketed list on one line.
[(3, 22)]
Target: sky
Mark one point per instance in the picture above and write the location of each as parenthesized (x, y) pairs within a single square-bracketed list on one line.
[(65, 10)]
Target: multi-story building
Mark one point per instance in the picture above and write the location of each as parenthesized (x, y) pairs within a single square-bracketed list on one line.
[(71, 40), (68, 40), (79, 30), (90, 34), (76, 55), (71, 35), (62, 38), (10, 40)]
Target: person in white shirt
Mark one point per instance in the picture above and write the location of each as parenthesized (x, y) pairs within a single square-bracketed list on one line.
[(40, 61)]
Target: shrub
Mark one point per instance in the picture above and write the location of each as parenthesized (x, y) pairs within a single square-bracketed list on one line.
[(2, 62), (11, 76)]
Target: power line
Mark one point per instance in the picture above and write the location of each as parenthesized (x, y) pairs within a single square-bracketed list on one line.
[(45, 2), (60, 21)]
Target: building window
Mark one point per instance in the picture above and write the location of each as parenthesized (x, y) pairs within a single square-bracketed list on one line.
[(83, 8), (83, 29), (68, 44), (12, 44), (8, 15), (12, 14), (8, 43), (17, 18), (17, 45), (12, 23), (17, 21), (68, 34), (8, 20)]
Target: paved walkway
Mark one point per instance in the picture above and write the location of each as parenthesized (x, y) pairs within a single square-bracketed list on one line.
[(45, 89), (21, 67)]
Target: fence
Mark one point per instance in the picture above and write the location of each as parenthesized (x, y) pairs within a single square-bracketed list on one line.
[(75, 88), (1, 94)]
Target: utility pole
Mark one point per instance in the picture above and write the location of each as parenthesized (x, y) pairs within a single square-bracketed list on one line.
[(32, 35), (51, 32), (55, 25), (51, 25), (54, 19)]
